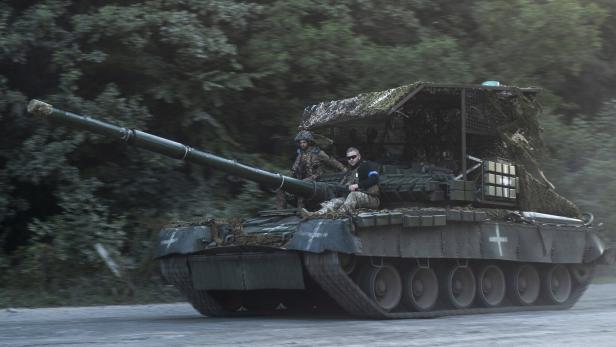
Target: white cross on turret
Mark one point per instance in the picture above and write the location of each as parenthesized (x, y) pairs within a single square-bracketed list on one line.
[(498, 239)]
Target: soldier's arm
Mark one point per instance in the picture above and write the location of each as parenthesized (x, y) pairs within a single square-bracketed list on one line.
[(369, 175), (313, 168), (331, 162), (296, 165)]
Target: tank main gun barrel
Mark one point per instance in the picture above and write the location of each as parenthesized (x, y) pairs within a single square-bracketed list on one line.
[(312, 190)]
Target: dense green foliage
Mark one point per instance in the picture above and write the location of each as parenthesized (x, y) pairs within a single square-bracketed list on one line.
[(583, 161), (219, 74)]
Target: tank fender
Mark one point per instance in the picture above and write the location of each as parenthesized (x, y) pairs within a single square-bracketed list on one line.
[(608, 257), (320, 235), (595, 248), (183, 240)]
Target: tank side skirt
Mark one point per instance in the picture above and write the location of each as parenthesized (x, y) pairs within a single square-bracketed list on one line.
[(175, 269), (247, 271)]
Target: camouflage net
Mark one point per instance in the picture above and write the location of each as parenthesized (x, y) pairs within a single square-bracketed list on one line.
[(510, 113), (189, 223), (522, 143), (268, 239), (536, 195), (232, 227), (222, 229), (361, 106)]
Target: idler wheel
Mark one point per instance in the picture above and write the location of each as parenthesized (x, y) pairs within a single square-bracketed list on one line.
[(459, 286), (557, 284), (382, 284), (491, 285), (420, 288), (524, 284)]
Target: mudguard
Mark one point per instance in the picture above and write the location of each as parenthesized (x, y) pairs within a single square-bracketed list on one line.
[(183, 240), (595, 248), (320, 235)]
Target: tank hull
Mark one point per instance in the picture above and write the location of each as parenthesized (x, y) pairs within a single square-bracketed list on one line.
[(376, 265)]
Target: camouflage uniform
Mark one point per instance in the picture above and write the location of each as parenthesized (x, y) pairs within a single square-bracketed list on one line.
[(308, 166), (367, 198)]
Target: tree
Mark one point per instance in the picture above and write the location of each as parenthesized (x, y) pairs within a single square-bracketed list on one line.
[(582, 161), (218, 75), (64, 190)]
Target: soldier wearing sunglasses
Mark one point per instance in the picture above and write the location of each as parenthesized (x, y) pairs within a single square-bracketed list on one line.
[(362, 180)]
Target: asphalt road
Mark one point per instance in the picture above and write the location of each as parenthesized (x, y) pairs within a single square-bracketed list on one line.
[(592, 322)]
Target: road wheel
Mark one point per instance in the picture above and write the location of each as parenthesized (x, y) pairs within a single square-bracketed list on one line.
[(420, 288), (459, 286), (556, 284), (491, 285), (524, 284), (382, 284)]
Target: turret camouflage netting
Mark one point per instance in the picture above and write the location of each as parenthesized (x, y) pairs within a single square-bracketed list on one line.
[(507, 113)]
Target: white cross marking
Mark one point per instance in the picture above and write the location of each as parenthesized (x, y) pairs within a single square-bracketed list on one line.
[(315, 233), (498, 239), (171, 240)]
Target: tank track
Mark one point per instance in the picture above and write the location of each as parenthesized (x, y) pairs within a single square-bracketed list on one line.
[(175, 269), (326, 270)]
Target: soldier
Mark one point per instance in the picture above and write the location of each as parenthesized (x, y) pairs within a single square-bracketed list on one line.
[(362, 180), (308, 165)]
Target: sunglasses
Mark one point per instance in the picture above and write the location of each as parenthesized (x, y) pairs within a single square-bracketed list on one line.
[(351, 157)]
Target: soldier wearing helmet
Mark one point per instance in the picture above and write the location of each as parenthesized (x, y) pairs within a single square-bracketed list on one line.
[(309, 163)]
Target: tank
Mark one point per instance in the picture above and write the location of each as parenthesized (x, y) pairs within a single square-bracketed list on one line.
[(468, 222)]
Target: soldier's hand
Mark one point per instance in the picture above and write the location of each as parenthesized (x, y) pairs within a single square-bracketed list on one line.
[(353, 187)]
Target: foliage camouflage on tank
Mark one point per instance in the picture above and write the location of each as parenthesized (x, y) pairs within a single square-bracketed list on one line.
[(355, 108), (518, 130)]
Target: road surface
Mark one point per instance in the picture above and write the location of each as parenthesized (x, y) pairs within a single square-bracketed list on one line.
[(592, 322)]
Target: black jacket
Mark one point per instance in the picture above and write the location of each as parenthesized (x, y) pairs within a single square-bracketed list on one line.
[(365, 174), (368, 174)]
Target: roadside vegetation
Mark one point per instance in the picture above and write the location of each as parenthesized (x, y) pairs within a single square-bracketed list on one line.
[(218, 75)]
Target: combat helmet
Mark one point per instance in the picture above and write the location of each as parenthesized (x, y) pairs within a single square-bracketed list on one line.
[(304, 135)]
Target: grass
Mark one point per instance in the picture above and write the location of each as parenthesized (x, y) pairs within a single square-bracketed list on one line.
[(88, 296), (605, 274)]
